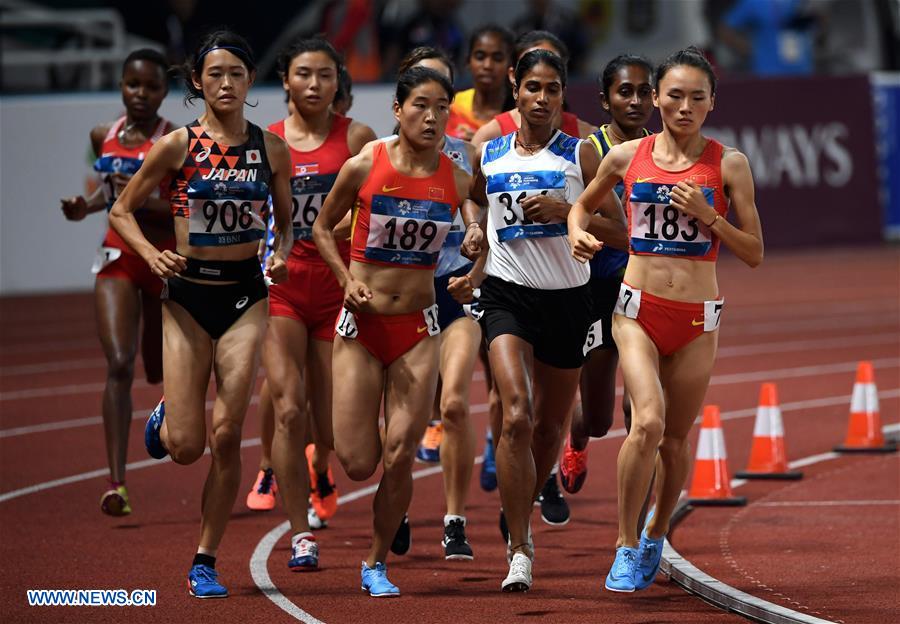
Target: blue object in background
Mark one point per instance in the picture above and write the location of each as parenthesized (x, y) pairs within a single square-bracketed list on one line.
[(886, 108)]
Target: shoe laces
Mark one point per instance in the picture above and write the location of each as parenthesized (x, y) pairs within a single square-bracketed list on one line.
[(433, 436), (626, 564), (574, 461), (455, 531), (306, 547), (324, 487), (205, 574), (265, 484), (519, 566)]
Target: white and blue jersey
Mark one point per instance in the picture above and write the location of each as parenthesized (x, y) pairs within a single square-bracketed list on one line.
[(524, 252), (451, 259)]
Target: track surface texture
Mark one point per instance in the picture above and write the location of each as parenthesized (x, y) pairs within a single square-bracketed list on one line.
[(824, 545)]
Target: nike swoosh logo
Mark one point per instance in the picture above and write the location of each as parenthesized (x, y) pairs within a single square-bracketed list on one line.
[(420, 330), (639, 180), (390, 189), (696, 323)]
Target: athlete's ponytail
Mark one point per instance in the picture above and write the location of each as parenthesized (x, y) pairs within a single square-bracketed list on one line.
[(691, 56), (539, 57), (221, 39)]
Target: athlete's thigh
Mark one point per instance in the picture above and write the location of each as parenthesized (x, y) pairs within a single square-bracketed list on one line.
[(320, 388), (459, 351), (639, 361), (356, 401), (598, 383), (554, 392), (410, 386), (236, 361), (151, 335), (118, 308), (284, 356), (512, 365), (187, 360), (685, 378)]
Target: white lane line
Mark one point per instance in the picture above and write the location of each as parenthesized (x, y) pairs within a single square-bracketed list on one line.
[(835, 503), (259, 569)]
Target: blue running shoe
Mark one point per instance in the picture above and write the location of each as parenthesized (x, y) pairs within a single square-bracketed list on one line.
[(429, 450), (375, 581), (489, 465), (154, 445), (621, 575), (304, 553), (203, 583), (648, 559)]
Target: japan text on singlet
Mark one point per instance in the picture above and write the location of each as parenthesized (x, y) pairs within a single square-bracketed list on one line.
[(312, 175), (114, 159), (524, 252), (658, 228), (400, 220), (222, 189)]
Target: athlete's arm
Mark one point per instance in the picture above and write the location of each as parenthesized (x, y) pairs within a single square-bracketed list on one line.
[(608, 223), (339, 201), (490, 130), (280, 189), (745, 241), (78, 207), (359, 136), (471, 209), (612, 169), (164, 158)]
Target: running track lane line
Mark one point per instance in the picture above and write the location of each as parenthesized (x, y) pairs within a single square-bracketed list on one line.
[(475, 409), (259, 560), (696, 581)]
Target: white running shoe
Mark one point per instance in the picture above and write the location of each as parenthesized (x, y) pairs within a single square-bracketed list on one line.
[(519, 577)]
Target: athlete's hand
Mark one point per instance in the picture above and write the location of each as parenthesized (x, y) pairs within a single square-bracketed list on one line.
[(461, 289), (356, 295), (471, 245), (75, 208), (167, 264), (543, 208), (584, 245), (276, 269), (688, 198)]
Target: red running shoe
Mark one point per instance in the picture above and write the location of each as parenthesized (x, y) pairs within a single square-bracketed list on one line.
[(323, 493), (572, 468)]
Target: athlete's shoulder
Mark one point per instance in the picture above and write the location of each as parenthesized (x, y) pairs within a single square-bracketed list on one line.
[(358, 136), (496, 148), (565, 146), (488, 131), (734, 161)]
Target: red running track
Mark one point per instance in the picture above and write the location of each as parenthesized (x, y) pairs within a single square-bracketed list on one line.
[(802, 320)]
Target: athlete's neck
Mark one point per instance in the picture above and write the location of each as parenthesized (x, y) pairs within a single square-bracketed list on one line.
[(312, 125), (618, 134), (530, 136), (686, 147), (145, 127), (412, 160), (488, 103), (230, 128)]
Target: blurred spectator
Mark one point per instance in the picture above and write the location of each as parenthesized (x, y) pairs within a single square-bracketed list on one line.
[(546, 15), (774, 36), (351, 26), (433, 24)]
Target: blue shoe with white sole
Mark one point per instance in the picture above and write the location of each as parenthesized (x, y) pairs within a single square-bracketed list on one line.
[(203, 582), (154, 444), (648, 559), (621, 575), (375, 581)]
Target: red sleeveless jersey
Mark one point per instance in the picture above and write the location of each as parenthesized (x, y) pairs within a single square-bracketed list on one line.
[(508, 124), (403, 221), (658, 228), (115, 158), (313, 175)]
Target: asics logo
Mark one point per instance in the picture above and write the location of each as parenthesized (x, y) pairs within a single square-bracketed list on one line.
[(696, 323), (202, 155), (389, 189), (241, 303)]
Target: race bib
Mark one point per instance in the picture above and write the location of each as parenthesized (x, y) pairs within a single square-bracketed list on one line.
[(407, 231), (308, 194), (226, 213), (107, 166), (505, 195), (712, 314), (105, 257), (658, 227), (346, 324), (474, 310), (629, 302), (431, 321), (594, 337)]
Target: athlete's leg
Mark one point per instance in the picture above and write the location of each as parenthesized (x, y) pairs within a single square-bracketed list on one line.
[(685, 378), (266, 413), (410, 386), (187, 360), (512, 364), (356, 404), (285, 357), (319, 360), (151, 336), (459, 350), (640, 368), (236, 361), (598, 397), (118, 312), (554, 396)]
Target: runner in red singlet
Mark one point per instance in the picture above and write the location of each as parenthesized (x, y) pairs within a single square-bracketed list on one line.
[(126, 291), (679, 185)]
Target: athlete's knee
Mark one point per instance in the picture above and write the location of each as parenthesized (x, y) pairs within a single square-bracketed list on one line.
[(290, 419), (357, 467), (673, 446), (647, 432), (120, 366), (454, 412), (184, 448), (518, 425), (225, 439), (399, 454)]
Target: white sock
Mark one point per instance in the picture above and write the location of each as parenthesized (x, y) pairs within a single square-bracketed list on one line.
[(450, 517), (210, 552), (295, 539), (555, 469)]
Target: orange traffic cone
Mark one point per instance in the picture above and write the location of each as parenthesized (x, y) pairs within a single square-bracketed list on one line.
[(768, 459), (711, 485), (864, 430)]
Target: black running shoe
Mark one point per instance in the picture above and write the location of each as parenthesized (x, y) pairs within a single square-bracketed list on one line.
[(456, 546), (504, 528), (403, 538), (554, 508)]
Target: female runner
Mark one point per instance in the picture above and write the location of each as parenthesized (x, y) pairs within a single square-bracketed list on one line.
[(405, 193), (679, 185), (214, 312), (126, 291)]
